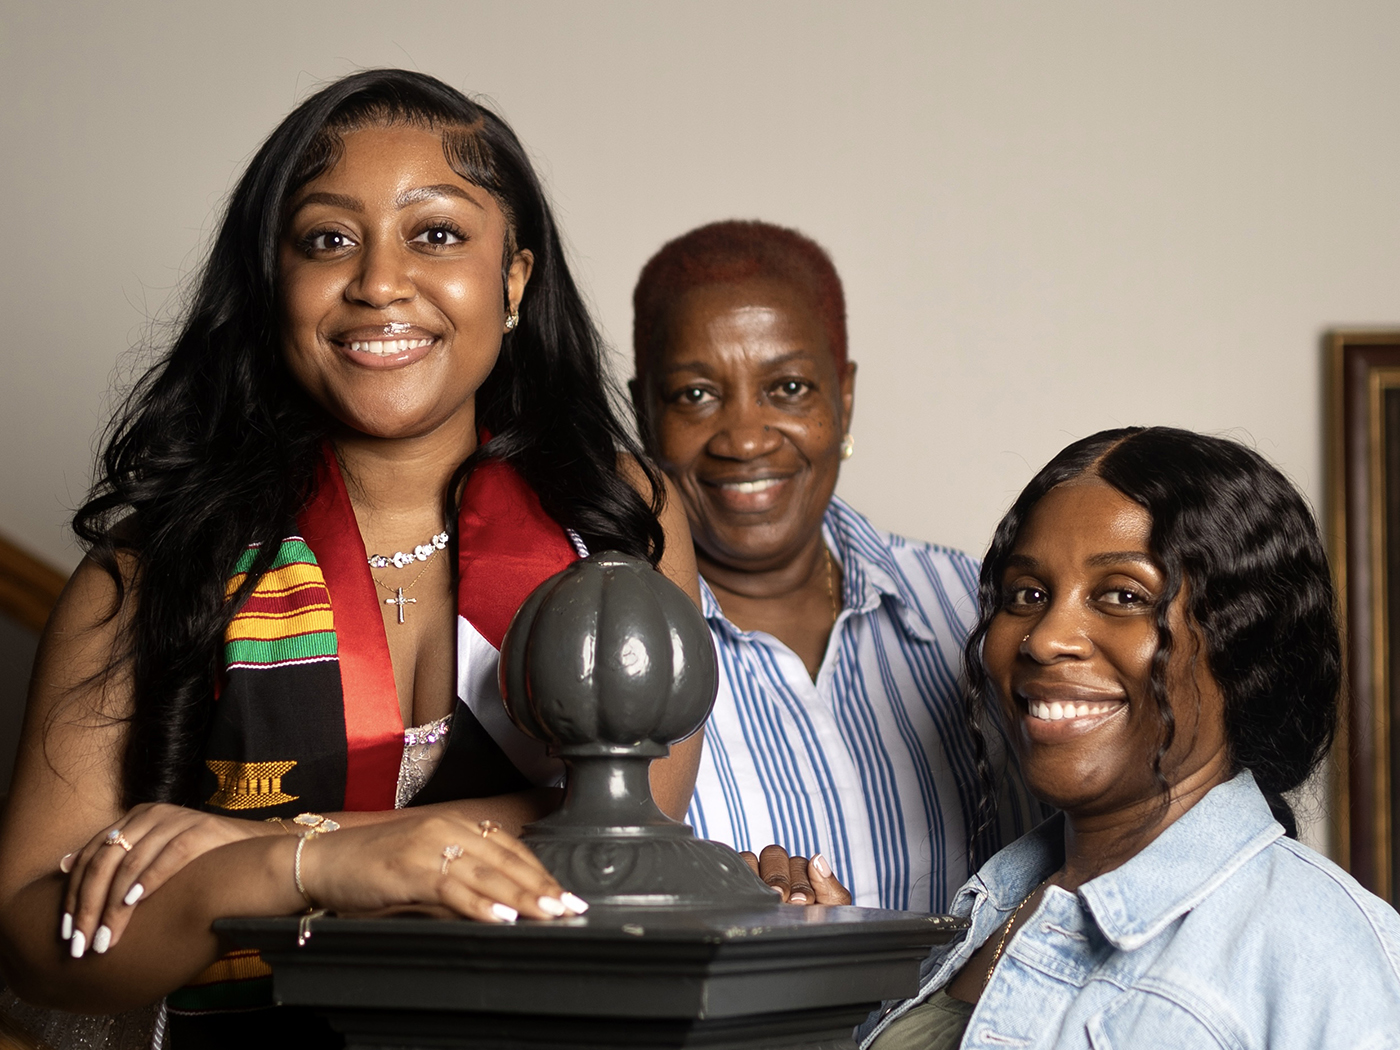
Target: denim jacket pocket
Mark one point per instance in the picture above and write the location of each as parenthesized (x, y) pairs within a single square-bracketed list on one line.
[(1139, 1020)]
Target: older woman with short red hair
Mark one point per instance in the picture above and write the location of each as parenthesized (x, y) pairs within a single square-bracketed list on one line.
[(837, 730)]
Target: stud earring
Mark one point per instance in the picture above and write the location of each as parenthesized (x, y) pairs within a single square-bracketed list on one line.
[(512, 320), (848, 447)]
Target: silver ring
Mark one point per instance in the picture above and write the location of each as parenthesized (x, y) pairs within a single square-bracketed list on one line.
[(449, 854)]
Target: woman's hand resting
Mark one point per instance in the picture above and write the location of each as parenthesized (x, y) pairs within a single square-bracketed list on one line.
[(438, 858), (105, 881), (492, 879), (799, 880)]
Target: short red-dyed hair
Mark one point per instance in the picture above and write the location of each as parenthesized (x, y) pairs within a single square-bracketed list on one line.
[(728, 253)]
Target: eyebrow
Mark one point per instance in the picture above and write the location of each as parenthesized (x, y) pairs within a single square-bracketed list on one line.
[(403, 200), (334, 200), (1025, 561), (769, 363), (1114, 557), (441, 189)]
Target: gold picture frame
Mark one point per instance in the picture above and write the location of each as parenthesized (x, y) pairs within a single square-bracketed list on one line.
[(1364, 527)]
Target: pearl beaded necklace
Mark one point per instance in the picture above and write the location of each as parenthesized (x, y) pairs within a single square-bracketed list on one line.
[(422, 552)]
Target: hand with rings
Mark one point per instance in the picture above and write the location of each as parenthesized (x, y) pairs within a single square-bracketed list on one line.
[(154, 842), (473, 867)]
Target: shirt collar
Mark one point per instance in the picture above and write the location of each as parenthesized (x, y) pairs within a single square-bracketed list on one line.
[(709, 608), (1015, 870), (869, 574), (1182, 866), (869, 571)]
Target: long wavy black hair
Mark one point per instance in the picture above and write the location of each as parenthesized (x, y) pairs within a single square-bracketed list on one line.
[(1241, 538), (217, 446)]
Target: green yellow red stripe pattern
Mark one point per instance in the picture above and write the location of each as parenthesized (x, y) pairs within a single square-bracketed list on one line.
[(287, 619)]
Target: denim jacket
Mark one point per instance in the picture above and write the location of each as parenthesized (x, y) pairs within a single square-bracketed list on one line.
[(1221, 933)]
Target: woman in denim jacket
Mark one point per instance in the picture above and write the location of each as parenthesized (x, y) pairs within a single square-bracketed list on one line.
[(1157, 628)]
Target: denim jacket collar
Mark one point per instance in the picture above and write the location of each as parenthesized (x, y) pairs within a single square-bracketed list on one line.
[(1016, 869), (1135, 902)]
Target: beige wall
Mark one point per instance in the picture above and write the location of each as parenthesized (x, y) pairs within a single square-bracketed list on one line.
[(1051, 217)]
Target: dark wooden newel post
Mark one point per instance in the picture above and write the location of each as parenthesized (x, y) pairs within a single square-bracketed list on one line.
[(609, 664)]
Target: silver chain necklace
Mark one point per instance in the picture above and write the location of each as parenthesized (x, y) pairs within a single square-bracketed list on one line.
[(422, 552)]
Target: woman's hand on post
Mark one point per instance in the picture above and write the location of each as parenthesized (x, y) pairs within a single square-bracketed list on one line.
[(471, 867), (132, 859), (799, 880)]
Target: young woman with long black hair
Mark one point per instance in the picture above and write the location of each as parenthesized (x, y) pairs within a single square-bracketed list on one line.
[(385, 420)]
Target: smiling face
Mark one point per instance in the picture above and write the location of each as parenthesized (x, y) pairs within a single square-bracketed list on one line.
[(748, 413), (391, 285), (1070, 656)]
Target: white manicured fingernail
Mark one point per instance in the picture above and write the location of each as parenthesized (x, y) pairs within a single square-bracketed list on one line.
[(134, 894), (102, 939), (577, 905), (823, 868), (552, 906), (65, 864), (798, 898), (78, 945), (65, 928), (504, 912)]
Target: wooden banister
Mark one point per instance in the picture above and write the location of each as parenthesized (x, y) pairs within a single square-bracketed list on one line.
[(29, 587)]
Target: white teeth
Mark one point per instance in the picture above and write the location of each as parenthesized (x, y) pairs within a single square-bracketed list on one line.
[(385, 347), (753, 486), (1055, 711)]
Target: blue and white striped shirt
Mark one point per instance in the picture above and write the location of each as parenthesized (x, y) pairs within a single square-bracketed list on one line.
[(871, 764)]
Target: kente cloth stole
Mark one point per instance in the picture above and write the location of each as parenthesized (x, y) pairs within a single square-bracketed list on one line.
[(307, 715)]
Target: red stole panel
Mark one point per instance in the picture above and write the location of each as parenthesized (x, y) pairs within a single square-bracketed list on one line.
[(507, 546), (373, 725)]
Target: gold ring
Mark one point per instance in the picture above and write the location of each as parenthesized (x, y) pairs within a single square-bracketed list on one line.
[(488, 827), (449, 854), (116, 838)]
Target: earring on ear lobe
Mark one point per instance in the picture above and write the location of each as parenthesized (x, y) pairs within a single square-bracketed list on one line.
[(848, 447), (513, 320)]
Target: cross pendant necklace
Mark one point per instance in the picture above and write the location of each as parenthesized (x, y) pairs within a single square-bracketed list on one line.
[(400, 601)]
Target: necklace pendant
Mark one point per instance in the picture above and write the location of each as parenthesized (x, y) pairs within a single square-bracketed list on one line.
[(399, 601)]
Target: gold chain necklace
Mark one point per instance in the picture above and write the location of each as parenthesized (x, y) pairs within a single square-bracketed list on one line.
[(399, 601), (1006, 933), (831, 585)]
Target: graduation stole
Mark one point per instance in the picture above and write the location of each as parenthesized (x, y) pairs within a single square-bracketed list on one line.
[(307, 715)]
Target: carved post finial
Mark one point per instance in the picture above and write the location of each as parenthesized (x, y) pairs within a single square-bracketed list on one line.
[(609, 663)]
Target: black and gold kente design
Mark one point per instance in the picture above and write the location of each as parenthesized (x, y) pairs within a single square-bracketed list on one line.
[(249, 785)]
